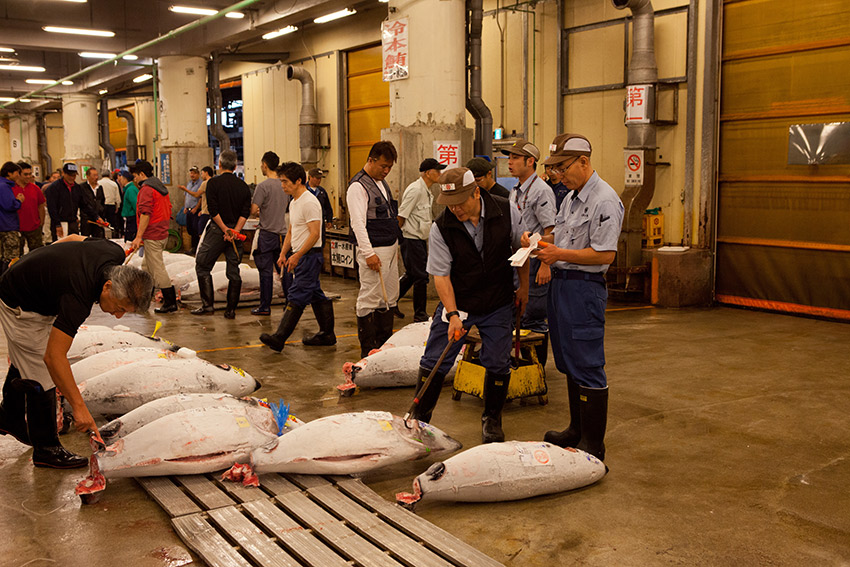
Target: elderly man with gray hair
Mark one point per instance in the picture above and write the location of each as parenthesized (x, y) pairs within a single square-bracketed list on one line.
[(44, 298)]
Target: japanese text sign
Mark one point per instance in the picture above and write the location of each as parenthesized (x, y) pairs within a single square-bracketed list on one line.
[(395, 48)]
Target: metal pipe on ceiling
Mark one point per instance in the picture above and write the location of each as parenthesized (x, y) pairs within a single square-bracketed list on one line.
[(108, 148), (168, 35), (214, 102), (309, 116), (132, 140), (483, 144)]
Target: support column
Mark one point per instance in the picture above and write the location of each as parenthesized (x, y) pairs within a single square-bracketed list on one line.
[(79, 120), (183, 139), (430, 105)]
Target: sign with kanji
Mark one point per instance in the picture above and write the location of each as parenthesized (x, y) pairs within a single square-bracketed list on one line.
[(637, 104), (395, 48), (342, 254), (447, 152), (634, 167)]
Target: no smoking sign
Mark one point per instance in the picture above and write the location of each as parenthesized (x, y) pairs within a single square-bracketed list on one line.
[(634, 167)]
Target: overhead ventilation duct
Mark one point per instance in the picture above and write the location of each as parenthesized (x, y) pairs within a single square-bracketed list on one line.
[(108, 148), (309, 118), (43, 154), (643, 71), (214, 102), (474, 103), (132, 141)]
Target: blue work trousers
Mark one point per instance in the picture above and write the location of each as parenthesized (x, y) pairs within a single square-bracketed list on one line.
[(302, 286), (534, 317), (495, 331), (265, 257), (577, 329)]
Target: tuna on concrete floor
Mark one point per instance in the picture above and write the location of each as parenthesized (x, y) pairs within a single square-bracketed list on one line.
[(727, 446)]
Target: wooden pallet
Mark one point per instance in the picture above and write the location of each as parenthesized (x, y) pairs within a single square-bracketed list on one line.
[(303, 521)]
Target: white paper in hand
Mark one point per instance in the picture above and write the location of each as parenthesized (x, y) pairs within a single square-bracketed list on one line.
[(520, 257)]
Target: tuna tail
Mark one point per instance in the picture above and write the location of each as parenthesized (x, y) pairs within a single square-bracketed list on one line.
[(281, 414)]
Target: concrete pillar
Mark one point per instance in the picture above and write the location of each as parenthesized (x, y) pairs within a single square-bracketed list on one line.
[(79, 121), (429, 105), (183, 140)]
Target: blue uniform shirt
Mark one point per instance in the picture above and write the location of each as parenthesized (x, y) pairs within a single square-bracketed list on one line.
[(592, 218), (535, 201), (190, 201), (439, 257)]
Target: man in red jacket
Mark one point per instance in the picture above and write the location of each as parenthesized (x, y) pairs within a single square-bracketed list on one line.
[(31, 213), (153, 215)]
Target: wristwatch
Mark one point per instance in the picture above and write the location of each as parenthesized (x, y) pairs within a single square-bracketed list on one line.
[(451, 314)]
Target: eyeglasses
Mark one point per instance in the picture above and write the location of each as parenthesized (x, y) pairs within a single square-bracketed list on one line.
[(561, 171)]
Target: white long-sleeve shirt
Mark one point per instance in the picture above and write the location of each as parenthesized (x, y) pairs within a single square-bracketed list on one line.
[(358, 204)]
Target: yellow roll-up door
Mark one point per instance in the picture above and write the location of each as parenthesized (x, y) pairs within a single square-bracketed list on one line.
[(783, 230), (368, 107)]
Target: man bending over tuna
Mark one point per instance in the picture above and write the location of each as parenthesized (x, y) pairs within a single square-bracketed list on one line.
[(44, 298)]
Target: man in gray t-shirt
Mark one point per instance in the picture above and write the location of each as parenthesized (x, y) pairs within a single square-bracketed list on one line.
[(271, 203)]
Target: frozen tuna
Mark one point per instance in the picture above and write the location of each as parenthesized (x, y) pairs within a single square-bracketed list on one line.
[(87, 343), (351, 443), (101, 362), (414, 334), (512, 470), (194, 441), (151, 411), (385, 368), (127, 387)]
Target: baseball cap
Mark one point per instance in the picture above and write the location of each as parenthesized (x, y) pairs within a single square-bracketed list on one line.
[(70, 168), (194, 168), (431, 163), (316, 172), (566, 146), (456, 185), (523, 148), (480, 166)]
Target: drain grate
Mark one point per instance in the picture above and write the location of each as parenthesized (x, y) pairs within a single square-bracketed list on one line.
[(303, 521)]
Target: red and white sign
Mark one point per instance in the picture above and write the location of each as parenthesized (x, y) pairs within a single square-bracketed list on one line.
[(447, 152), (634, 167), (637, 104), (396, 49)]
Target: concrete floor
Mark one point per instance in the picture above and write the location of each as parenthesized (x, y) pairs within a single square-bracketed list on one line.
[(727, 445)]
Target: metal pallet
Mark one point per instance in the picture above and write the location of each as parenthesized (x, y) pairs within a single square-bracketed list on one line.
[(303, 521)]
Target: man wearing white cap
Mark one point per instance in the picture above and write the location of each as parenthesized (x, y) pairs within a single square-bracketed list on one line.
[(470, 246), (535, 201), (585, 242)]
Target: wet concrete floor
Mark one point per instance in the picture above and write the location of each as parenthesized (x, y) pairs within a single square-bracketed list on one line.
[(727, 445)]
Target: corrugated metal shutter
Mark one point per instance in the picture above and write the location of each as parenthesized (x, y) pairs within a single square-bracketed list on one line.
[(783, 231), (368, 107)]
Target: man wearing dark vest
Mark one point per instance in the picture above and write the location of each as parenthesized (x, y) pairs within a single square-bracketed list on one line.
[(373, 214), (469, 249)]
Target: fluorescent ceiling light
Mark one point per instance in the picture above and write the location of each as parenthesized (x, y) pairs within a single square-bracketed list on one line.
[(10, 99), (78, 31), (280, 32), (46, 82), (203, 12), (7, 50), (130, 57), (96, 55), (142, 78), (334, 16), (76, 1), (29, 68), (103, 91)]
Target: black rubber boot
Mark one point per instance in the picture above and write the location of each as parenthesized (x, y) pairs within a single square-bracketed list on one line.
[(570, 436), (383, 326), (495, 393), (427, 399), (169, 301), (420, 302), (542, 350), (13, 408), (366, 333), (233, 291), (205, 286), (324, 312), (277, 341), (41, 425), (594, 419)]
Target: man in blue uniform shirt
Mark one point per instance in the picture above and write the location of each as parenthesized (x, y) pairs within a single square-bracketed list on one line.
[(470, 246), (585, 242)]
